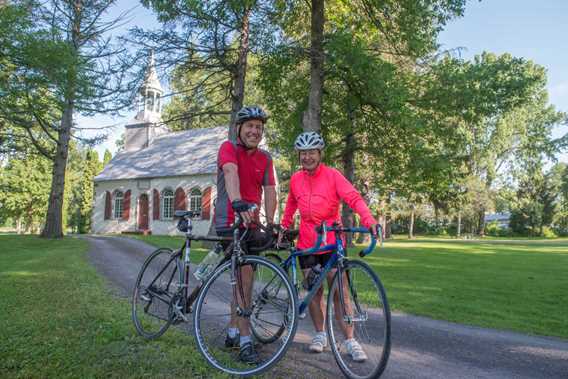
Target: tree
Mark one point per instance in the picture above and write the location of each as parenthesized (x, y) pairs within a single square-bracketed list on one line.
[(209, 44), (24, 190), (91, 169), (364, 60), (107, 157), (63, 64), (497, 105)]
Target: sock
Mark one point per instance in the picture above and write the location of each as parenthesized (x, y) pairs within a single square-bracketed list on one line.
[(323, 334), (245, 339), (232, 332)]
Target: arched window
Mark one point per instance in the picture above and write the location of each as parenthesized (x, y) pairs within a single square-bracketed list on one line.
[(168, 204), (118, 204), (195, 200)]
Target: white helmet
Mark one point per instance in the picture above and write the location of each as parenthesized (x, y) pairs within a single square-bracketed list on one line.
[(309, 141)]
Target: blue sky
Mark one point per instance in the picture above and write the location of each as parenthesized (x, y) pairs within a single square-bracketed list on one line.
[(535, 30)]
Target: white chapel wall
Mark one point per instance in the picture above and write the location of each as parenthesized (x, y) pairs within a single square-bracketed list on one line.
[(146, 186)]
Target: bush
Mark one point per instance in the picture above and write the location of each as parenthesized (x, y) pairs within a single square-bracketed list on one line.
[(548, 232), (495, 230)]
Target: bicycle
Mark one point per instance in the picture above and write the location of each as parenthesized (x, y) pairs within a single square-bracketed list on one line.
[(269, 290), (362, 303), (161, 294)]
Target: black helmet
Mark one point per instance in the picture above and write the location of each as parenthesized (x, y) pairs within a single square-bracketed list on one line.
[(251, 113)]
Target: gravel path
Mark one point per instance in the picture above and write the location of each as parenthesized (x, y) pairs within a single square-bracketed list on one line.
[(422, 348)]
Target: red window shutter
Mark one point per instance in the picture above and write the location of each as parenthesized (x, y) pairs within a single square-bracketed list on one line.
[(108, 205), (156, 201), (126, 206), (180, 200), (206, 204)]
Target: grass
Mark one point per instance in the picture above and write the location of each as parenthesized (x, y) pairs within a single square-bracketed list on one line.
[(519, 285), (58, 319)]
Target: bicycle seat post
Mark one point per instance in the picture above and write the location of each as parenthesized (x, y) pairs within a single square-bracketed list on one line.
[(187, 240)]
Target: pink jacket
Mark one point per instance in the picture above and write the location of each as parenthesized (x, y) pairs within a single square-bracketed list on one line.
[(318, 198)]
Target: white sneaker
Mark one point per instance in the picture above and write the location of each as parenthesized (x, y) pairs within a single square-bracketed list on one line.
[(318, 343), (355, 350)]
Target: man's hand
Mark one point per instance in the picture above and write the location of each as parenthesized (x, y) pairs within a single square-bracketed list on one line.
[(281, 233), (243, 208)]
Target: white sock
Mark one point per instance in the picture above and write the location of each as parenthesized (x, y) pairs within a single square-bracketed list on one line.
[(232, 332), (245, 339)]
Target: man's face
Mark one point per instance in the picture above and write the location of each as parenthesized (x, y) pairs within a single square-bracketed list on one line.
[(251, 132), (310, 159)]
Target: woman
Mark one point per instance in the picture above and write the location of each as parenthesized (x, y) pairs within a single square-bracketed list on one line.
[(316, 191)]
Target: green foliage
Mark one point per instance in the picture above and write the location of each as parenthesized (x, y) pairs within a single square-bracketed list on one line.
[(24, 190), (495, 230), (107, 157)]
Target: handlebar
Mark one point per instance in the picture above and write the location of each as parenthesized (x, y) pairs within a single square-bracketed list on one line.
[(323, 229)]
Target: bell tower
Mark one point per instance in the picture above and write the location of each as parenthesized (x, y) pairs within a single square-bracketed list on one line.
[(147, 124)]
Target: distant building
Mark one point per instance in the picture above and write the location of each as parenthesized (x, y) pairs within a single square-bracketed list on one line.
[(502, 219)]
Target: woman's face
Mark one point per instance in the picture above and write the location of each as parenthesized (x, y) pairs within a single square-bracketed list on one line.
[(310, 159)]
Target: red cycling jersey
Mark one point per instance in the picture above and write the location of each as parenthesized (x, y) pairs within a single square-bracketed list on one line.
[(255, 170), (318, 198)]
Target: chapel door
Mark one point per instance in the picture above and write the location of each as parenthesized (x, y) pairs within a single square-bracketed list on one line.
[(143, 212)]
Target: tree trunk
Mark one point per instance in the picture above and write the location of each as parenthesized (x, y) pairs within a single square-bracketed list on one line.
[(238, 90), (19, 225), (481, 222), (459, 224), (388, 219), (349, 172), (411, 223), (312, 117), (54, 220)]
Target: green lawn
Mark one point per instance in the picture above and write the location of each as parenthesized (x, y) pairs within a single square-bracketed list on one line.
[(518, 285), (58, 319)]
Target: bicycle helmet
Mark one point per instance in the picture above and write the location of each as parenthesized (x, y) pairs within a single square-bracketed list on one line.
[(251, 113), (309, 141)]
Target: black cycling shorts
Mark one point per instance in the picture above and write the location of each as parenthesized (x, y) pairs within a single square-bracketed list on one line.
[(254, 238), (309, 261)]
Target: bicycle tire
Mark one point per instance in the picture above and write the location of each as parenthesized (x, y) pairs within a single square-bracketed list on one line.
[(370, 317), (257, 329), (212, 316), (155, 287)]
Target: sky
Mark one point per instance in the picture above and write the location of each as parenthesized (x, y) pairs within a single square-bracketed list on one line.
[(535, 30)]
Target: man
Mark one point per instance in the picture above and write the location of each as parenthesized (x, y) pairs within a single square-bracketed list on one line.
[(244, 172)]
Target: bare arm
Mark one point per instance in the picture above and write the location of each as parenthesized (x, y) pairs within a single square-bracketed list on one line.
[(270, 203), (232, 184)]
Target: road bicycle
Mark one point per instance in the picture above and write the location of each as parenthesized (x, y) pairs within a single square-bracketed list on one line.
[(162, 295), (361, 306), (269, 289)]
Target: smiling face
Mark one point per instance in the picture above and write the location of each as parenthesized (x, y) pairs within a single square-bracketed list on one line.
[(310, 159), (251, 133)]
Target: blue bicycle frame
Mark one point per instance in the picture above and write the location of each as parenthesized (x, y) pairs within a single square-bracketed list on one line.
[(338, 254)]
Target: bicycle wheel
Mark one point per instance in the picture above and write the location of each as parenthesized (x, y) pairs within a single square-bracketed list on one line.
[(366, 315), (155, 286), (271, 290), (261, 320)]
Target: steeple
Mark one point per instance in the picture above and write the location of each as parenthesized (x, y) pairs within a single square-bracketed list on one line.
[(150, 94), (147, 124)]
